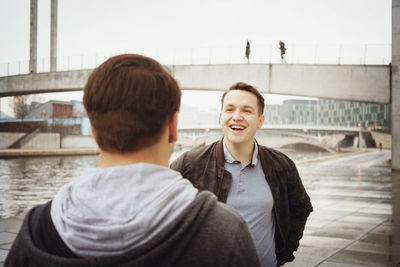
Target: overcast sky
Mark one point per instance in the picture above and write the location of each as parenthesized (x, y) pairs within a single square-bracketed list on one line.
[(161, 28)]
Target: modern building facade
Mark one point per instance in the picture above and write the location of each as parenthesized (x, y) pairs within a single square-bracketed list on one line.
[(330, 112)]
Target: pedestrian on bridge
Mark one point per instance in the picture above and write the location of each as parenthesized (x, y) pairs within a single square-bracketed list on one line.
[(261, 183), (133, 210), (247, 52), (283, 51)]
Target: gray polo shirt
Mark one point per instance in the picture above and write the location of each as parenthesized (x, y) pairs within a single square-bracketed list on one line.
[(251, 196)]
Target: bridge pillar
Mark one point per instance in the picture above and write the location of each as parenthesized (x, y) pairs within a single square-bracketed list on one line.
[(53, 35), (395, 85), (33, 37)]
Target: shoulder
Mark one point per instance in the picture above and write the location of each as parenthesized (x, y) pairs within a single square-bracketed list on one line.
[(218, 211), (199, 155), (276, 157), (227, 213), (200, 151), (223, 219)]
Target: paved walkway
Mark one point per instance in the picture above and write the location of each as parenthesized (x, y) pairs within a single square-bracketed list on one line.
[(353, 223), (356, 218), (8, 231), (12, 153)]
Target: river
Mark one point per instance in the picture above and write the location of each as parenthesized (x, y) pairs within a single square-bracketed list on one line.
[(29, 181)]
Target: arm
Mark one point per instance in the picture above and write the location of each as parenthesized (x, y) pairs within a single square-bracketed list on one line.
[(300, 208), (178, 164)]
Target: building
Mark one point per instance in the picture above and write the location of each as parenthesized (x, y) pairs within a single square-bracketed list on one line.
[(292, 111), (350, 113), (330, 113), (56, 109)]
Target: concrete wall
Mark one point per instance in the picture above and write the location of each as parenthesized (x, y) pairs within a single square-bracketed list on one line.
[(362, 143), (43, 141), (43, 82), (7, 139), (341, 82), (48, 140), (385, 139), (221, 77), (346, 82), (278, 141), (332, 140), (78, 141)]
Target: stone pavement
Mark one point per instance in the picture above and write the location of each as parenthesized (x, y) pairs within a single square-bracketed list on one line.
[(356, 218), (8, 231)]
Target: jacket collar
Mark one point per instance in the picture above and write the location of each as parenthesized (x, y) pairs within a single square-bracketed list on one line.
[(220, 152), (264, 157), (229, 158)]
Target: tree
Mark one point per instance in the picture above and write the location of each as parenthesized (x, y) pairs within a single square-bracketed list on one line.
[(20, 104)]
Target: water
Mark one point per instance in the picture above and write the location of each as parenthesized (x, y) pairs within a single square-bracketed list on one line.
[(26, 182)]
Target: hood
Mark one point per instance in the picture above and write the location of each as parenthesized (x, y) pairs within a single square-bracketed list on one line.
[(113, 210)]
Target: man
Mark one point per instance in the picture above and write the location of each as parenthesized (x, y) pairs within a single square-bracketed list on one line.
[(247, 52), (261, 183), (133, 210), (283, 51)]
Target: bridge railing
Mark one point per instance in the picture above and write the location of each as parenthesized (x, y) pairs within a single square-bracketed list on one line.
[(364, 54)]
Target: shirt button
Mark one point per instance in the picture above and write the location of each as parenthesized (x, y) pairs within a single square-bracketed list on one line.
[(240, 183)]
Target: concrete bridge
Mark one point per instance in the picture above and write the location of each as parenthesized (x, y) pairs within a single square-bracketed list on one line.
[(323, 139), (379, 84), (341, 82)]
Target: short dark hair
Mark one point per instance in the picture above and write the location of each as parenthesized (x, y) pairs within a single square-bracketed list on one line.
[(249, 88), (129, 99)]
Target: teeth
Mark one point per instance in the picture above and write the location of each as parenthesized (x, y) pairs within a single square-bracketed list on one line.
[(237, 127)]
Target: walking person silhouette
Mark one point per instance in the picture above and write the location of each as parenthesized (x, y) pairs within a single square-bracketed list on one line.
[(248, 52), (283, 51)]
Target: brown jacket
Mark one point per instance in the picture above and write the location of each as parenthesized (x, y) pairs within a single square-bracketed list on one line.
[(204, 167)]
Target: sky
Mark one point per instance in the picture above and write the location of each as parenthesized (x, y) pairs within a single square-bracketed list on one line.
[(208, 31)]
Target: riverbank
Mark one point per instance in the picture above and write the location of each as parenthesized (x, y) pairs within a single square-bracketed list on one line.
[(12, 153)]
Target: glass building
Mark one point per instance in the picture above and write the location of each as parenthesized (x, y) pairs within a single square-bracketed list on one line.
[(330, 112)]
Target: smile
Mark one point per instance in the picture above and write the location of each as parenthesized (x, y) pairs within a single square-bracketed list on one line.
[(237, 127)]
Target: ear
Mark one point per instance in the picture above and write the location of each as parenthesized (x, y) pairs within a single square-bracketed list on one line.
[(93, 132), (260, 121), (173, 128)]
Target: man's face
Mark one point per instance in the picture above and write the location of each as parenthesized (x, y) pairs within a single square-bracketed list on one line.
[(239, 117)]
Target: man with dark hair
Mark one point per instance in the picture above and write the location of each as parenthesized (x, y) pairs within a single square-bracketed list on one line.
[(133, 210), (261, 183)]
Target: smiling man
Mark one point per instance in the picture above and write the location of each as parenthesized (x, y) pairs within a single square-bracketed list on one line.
[(261, 183)]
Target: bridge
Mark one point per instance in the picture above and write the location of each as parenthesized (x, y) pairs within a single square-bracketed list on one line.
[(371, 83), (340, 82), (319, 138)]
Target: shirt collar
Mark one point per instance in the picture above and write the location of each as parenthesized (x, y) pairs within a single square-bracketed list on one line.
[(230, 159)]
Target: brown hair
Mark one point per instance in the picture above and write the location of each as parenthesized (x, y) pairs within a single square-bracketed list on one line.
[(129, 99), (246, 87)]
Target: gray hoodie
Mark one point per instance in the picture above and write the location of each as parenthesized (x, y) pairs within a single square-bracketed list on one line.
[(112, 210)]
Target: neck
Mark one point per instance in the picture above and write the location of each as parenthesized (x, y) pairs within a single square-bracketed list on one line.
[(153, 155), (242, 152)]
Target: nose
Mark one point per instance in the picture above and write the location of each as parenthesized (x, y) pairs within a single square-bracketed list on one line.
[(237, 116)]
